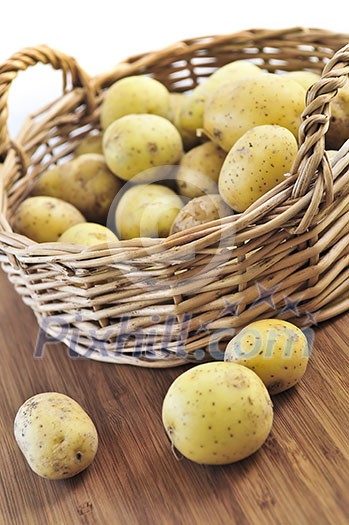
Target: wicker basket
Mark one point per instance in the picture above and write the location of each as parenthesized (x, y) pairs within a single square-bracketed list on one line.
[(164, 302)]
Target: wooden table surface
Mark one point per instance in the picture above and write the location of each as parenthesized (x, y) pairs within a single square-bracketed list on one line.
[(300, 476)]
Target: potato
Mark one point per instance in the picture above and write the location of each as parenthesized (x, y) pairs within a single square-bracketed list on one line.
[(189, 138), (90, 144), (86, 182), (217, 413), (56, 436), (192, 112), (87, 234), (338, 132), (256, 163), (199, 170), (134, 94), (50, 182), (147, 210), (276, 350), (136, 143), (235, 108), (44, 219), (305, 78), (199, 211)]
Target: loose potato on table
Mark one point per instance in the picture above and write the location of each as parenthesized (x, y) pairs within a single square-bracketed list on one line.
[(147, 210), (235, 108), (256, 163), (88, 234), (200, 211), (217, 413), (44, 219), (85, 181), (134, 94), (277, 351), (135, 144), (199, 170), (56, 436)]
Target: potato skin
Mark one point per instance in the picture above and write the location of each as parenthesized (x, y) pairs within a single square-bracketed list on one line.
[(255, 101), (90, 144), (217, 413), (276, 350), (135, 144), (134, 95), (338, 131), (199, 211), (88, 234), (44, 219), (85, 182), (255, 164), (199, 170), (146, 210), (56, 436)]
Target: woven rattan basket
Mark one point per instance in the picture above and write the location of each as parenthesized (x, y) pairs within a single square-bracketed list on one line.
[(164, 302)]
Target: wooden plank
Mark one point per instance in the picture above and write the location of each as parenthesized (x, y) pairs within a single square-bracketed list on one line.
[(300, 476)]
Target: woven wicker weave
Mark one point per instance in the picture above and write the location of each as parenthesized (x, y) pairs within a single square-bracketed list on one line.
[(158, 303)]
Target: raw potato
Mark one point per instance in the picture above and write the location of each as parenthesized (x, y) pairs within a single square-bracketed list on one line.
[(134, 94), (147, 210), (217, 413), (338, 132), (44, 219), (304, 78), (250, 102), (136, 143), (90, 144), (189, 138), (86, 182), (199, 170), (200, 211), (256, 163), (192, 112), (276, 350), (88, 234), (56, 436)]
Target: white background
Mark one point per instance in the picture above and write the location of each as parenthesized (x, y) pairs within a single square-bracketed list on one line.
[(99, 34)]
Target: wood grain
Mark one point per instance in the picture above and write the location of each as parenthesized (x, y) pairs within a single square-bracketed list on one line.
[(299, 477)]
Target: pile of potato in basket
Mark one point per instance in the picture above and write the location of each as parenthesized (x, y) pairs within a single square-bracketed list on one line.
[(165, 162)]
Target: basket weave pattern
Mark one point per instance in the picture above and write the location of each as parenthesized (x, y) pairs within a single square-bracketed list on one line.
[(182, 297)]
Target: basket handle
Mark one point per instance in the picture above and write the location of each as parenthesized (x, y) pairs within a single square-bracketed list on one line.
[(311, 159), (29, 57)]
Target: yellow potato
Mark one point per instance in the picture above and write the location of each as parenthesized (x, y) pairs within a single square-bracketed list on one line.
[(50, 182), (256, 163), (134, 94), (217, 413), (189, 138), (304, 78), (199, 211), (147, 210), (90, 144), (87, 234), (86, 182), (192, 112), (199, 170), (44, 219), (56, 436), (235, 108), (338, 132), (276, 350), (136, 143)]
